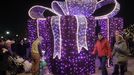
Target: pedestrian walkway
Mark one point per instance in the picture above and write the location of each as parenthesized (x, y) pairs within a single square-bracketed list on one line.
[(110, 70)]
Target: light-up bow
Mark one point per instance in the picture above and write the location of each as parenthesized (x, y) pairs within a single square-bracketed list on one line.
[(74, 7), (79, 8)]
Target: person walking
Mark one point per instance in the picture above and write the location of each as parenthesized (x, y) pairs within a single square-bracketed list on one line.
[(103, 50), (120, 56), (36, 55)]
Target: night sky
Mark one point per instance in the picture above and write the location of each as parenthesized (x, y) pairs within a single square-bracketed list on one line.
[(14, 16)]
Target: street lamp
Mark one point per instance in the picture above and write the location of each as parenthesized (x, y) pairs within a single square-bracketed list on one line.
[(7, 32)]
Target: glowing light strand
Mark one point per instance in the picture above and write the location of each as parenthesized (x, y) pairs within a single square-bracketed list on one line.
[(112, 13), (75, 59), (103, 3), (37, 28), (38, 10), (69, 7), (61, 5), (81, 33), (83, 7), (108, 36), (55, 23)]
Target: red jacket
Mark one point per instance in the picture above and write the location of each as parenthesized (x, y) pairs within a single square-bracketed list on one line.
[(102, 47)]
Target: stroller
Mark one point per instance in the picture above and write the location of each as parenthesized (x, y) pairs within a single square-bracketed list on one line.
[(14, 67), (18, 65)]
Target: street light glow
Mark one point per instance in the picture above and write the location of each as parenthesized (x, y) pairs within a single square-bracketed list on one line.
[(1, 37), (7, 32), (17, 35), (25, 38)]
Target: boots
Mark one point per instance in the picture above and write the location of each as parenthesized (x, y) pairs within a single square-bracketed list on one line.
[(123, 67), (104, 71), (116, 70)]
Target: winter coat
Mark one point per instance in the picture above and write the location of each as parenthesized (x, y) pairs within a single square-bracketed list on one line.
[(120, 52), (36, 48), (102, 47)]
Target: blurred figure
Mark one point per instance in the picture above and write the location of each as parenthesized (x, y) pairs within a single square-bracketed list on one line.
[(102, 47), (21, 48), (128, 36), (116, 33), (28, 50), (131, 43), (9, 46), (120, 53), (3, 58), (36, 55), (113, 38)]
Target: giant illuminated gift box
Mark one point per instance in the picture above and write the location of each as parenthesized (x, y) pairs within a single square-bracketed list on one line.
[(69, 37)]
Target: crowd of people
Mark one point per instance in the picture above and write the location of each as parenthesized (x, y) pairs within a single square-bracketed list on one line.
[(25, 59), (129, 37), (12, 48), (119, 53), (119, 50)]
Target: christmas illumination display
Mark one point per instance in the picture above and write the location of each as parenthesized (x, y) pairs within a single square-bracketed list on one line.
[(69, 37)]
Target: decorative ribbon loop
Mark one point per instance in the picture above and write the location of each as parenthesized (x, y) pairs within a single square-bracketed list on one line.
[(81, 7), (112, 13), (60, 7), (37, 11), (103, 3), (55, 24), (75, 7), (81, 33)]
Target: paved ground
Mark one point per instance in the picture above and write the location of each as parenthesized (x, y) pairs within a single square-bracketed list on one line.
[(130, 68), (110, 70)]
